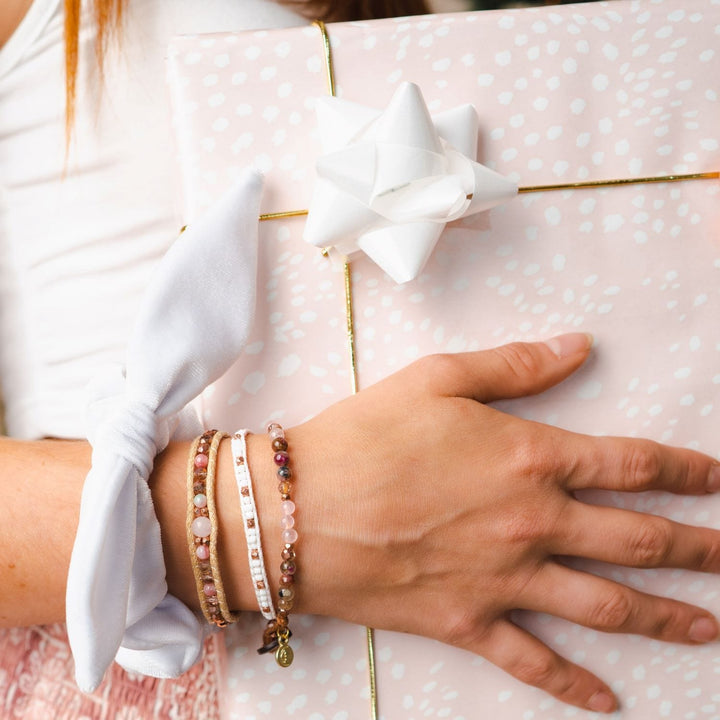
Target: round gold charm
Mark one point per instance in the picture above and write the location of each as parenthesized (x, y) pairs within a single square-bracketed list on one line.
[(284, 655)]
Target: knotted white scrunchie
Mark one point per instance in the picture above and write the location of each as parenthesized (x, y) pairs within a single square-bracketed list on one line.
[(194, 321)]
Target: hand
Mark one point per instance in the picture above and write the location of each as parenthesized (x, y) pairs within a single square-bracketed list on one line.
[(421, 514)]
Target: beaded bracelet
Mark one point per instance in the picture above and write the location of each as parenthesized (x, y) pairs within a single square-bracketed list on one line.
[(251, 526), (277, 633), (202, 529)]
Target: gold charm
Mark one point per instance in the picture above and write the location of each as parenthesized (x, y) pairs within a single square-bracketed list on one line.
[(284, 654)]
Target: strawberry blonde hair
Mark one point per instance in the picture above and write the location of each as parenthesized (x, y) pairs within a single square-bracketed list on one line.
[(109, 14)]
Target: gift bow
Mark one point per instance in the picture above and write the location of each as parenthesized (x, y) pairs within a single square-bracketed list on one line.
[(192, 325), (390, 180)]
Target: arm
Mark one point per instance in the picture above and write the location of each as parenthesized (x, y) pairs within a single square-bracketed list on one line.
[(417, 511)]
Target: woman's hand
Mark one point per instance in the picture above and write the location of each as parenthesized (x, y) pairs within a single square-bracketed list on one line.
[(423, 510)]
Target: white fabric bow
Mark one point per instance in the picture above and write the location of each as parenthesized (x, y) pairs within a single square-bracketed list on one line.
[(193, 323), (389, 181)]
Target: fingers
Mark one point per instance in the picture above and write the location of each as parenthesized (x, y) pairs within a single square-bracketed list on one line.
[(633, 539), (625, 464), (602, 604), (508, 371), (529, 660)]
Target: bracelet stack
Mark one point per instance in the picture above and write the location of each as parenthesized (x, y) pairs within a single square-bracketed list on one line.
[(202, 529), (202, 536)]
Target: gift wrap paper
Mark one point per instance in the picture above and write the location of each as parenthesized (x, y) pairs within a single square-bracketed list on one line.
[(596, 91)]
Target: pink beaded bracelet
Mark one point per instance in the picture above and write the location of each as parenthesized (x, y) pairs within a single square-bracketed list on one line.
[(277, 633), (202, 529)]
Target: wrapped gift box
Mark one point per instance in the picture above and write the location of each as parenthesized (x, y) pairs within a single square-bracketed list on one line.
[(596, 91)]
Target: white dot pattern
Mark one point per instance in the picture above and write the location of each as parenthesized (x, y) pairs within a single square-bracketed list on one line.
[(588, 91)]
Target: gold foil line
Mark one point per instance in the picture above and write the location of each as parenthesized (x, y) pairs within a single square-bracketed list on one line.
[(350, 325), (281, 215), (620, 181), (370, 634), (583, 184), (329, 72)]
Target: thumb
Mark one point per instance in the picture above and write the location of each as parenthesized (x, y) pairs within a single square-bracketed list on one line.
[(515, 370)]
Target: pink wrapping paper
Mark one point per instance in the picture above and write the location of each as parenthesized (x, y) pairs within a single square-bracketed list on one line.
[(593, 91)]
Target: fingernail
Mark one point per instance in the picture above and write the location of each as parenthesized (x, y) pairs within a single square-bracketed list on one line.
[(601, 701), (713, 482), (565, 345), (703, 630)]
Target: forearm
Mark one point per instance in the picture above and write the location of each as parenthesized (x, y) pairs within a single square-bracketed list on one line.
[(42, 485)]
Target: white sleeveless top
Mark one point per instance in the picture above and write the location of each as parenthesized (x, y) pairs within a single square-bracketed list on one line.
[(78, 240)]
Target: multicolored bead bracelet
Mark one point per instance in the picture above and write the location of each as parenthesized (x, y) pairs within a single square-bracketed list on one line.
[(202, 529), (277, 633)]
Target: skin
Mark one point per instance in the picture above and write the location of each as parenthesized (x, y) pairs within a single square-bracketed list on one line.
[(428, 494), (11, 14)]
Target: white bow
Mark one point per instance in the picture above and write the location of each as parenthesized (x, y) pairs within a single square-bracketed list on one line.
[(390, 180), (194, 321)]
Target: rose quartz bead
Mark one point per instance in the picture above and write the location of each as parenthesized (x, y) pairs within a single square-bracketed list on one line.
[(201, 526), (287, 521), (277, 432), (289, 536), (288, 507), (200, 500), (201, 460), (209, 589), (203, 552)]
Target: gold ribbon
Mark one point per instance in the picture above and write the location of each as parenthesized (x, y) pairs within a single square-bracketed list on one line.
[(330, 79), (560, 186)]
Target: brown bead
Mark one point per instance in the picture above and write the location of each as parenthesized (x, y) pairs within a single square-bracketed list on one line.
[(200, 472), (286, 593), (279, 444), (287, 580), (285, 487), (269, 634), (287, 553), (285, 604), (288, 567)]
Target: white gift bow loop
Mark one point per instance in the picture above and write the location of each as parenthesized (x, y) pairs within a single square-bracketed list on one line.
[(389, 181), (194, 321)]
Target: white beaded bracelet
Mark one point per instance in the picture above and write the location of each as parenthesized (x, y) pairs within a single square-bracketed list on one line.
[(251, 525)]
